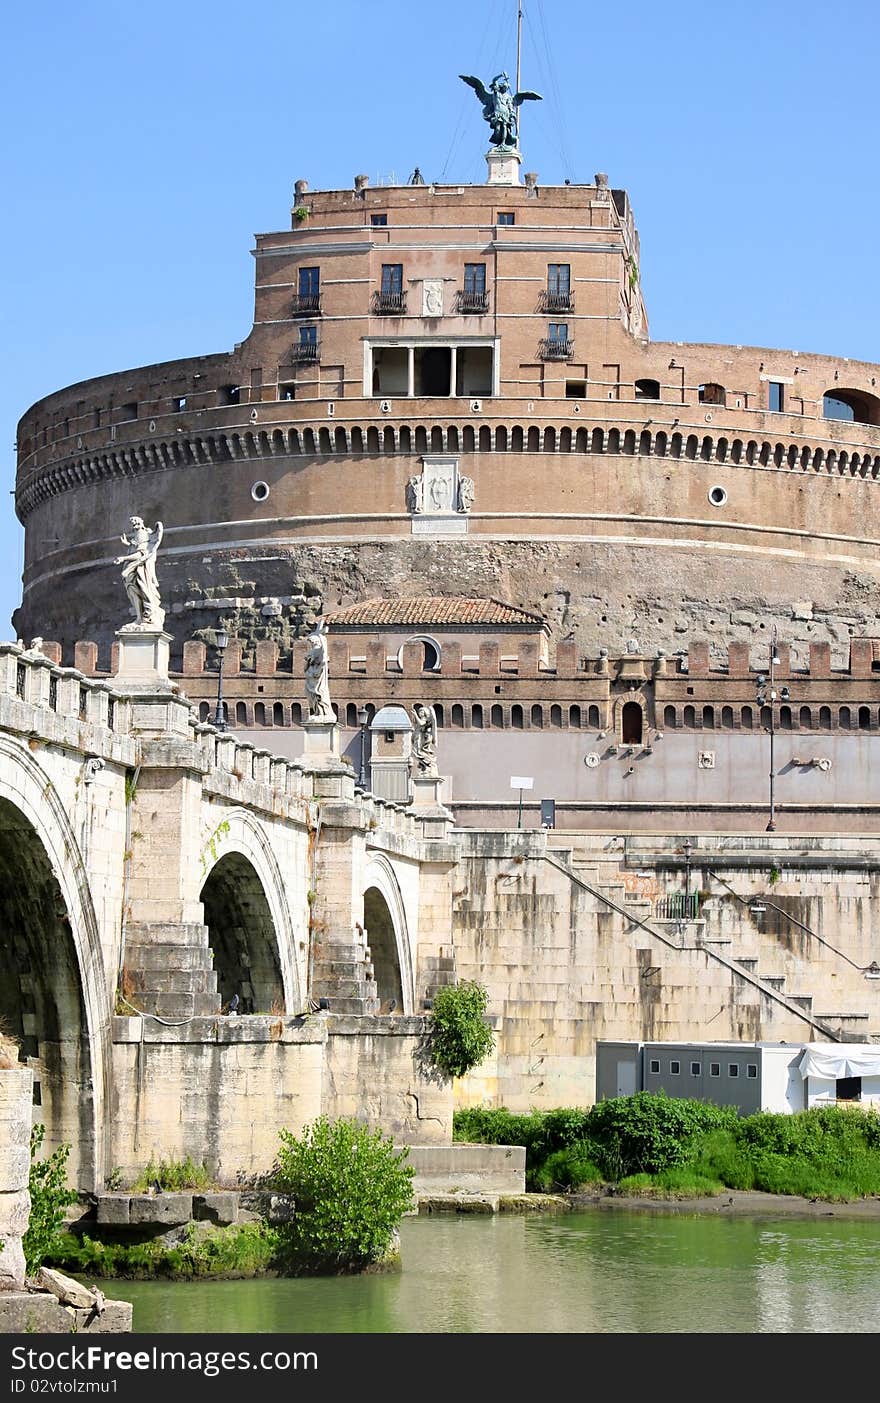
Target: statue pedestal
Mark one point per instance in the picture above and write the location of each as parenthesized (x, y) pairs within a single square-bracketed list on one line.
[(321, 743), (503, 167), (428, 807), (143, 658)]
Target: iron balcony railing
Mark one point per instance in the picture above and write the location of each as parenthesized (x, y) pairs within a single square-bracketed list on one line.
[(305, 353), (389, 304), (468, 301), (307, 304), (557, 301), (555, 348)]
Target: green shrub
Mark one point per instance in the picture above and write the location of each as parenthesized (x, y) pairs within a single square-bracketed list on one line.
[(350, 1187), (460, 1038), (720, 1156), (567, 1169), (171, 1175), (50, 1196), (205, 1250), (648, 1133)]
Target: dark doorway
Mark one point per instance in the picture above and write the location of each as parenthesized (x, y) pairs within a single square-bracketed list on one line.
[(632, 724)]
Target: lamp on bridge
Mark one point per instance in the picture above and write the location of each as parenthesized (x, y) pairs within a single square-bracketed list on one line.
[(766, 692), (221, 642), (363, 717)]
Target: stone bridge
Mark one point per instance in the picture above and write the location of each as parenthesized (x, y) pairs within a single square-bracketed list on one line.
[(151, 870)]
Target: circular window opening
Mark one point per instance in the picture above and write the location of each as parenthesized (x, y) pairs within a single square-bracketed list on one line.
[(717, 496), (260, 491)]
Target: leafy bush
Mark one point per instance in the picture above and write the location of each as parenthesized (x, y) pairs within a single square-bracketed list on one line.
[(170, 1175), (647, 1133), (205, 1250), (460, 1038), (50, 1196), (350, 1187), (567, 1169)]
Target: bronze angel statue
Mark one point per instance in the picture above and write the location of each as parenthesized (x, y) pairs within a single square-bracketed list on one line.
[(500, 108)]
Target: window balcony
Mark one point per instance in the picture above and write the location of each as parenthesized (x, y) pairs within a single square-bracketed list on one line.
[(556, 348), (556, 301), (471, 303), (306, 304), (305, 353), (389, 304)]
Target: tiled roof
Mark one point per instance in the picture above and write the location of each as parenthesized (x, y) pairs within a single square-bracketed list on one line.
[(433, 609)]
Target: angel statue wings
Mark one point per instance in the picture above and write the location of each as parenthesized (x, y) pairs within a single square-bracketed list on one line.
[(139, 574), (500, 108)]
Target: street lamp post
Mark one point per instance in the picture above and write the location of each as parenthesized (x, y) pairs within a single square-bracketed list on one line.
[(363, 717), (766, 692), (222, 643), (688, 845)]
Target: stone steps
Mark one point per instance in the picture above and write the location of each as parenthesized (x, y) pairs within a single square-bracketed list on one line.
[(169, 970)]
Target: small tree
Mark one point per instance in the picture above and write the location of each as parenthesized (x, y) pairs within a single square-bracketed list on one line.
[(49, 1198), (460, 1037), (350, 1189)]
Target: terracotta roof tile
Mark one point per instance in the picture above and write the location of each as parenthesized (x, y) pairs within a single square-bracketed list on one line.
[(433, 609)]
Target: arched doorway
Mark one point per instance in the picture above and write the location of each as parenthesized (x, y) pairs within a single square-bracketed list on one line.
[(631, 723), (41, 993), (242, 935), (381, 938)]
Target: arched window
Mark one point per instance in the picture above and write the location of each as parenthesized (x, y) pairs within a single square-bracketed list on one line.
[(496, 716), (574, 717), (351, 714), (537, 718), (241, 713), (864, 718), (851, 406), (709, 718), (727, 718), (485, 439), (556, 716), (516, 717), (593, 717), (785, 718), (278, 714), (204, 711), (689, 718), (438, 712), (712, 394), (824, 718), (477, 717), (669, 718), (457, 718), (844, 718), (631, 723), (746, 718), (647, 389), (765, 717), (296, 713), (805, 717), (259, 713), (533, 442)]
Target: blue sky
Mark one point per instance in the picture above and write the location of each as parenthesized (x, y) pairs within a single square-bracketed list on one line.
[(145, 145)]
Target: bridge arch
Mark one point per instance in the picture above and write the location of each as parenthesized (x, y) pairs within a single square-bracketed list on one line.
[(53, 989), (388, 934), (248, 914)]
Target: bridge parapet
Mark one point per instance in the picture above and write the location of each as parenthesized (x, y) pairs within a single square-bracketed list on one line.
[(60, 705)]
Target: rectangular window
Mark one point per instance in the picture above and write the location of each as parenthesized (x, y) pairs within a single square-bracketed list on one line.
[(392, 278), (178, 403), (130, 410), (475, 278), (776, 396), (696, 1069), (559, 279), (733, 1069), (674, 1068), (287, 391), (505, 217), (309, 282), (378, 221), (752, 1071), (308, 336), (575, 389), (654, 1065), (714, 1069), (229, 394), (558, 331)]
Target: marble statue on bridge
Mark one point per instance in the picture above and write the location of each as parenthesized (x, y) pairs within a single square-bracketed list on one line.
[(139, 575)]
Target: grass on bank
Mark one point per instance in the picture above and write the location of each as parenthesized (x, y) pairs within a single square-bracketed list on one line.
[(663, 1145)]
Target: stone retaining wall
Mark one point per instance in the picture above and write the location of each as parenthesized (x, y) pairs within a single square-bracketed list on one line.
[(16, 1091)]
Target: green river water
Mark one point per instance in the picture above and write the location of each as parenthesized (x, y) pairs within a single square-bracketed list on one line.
[(591, 1272)]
